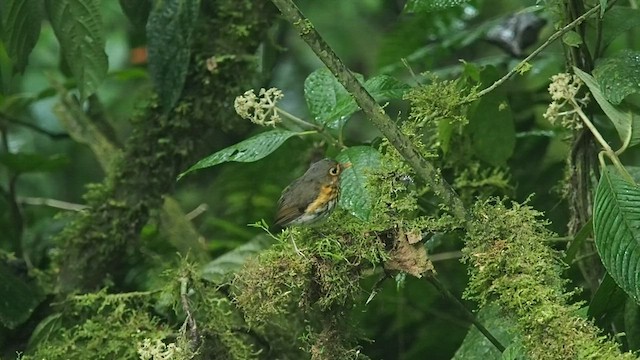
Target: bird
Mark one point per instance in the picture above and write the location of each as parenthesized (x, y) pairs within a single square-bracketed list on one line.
[(311, 197)]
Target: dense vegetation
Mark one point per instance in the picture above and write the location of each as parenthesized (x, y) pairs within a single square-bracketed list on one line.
[(489, 209)]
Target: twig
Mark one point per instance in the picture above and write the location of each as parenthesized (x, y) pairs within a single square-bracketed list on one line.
[(370, 107), (376, 287), (319, 129), (189, 320), (533, 54), (449, 255), (58, 204), (36, 128), (470, 316), (607, 149), (200, 209)]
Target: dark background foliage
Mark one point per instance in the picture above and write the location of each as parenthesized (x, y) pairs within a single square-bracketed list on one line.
[(97, 122)]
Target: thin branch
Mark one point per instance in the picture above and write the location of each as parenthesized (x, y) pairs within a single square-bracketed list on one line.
[(537, 51), (55, 136), (372, 110), (200, 209), (308, 125), (607, 149), (189, 321), (470, 316), (58, 204), (449, 255)]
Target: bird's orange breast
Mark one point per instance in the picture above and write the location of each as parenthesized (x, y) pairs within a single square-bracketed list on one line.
[(327, 193)]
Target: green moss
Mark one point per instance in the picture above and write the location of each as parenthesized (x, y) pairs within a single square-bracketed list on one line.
[(330, 343), (511, 265), (153, 325), (472, 182), (99, 240), (440, 100), (98, 326), (272, 285)]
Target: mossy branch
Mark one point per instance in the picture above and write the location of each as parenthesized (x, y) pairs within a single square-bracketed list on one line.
[(511, 266), (370, 107)]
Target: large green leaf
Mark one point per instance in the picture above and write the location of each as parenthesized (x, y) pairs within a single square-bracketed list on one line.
[(626, 122), (491, 128), (136, 10), (607, 299), (616, 225), (18, 299), (331, 105), (603, 7), (619, 75), (617, 21), (493, 134), (21, 21), (249, 150), (26, 162), (78, 26), (477, 347), (169, 30), (218, 270), (355, 197), (321, 91), (431, 5), (632, 324)]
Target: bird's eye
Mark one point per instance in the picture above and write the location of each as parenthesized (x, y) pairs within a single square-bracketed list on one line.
[(334, 171)]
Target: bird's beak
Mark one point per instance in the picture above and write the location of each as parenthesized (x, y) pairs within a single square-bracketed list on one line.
[(345, 165)]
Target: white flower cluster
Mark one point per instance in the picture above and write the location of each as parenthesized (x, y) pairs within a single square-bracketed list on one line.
[(157, 350), (260, 109), (563, 89)]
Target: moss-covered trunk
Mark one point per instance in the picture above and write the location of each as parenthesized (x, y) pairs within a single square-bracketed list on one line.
[(99, 241)]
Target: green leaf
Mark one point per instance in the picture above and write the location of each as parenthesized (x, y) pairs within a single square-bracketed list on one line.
[(431, 5), (603, 7), (619, 75), (634, 171), (218, 270), (249, 150), (493, 135), (577, 242), (24, 163), (626, 122), (355, 197), (78, 27), (381, 88), (21, 21), (632, 324), (136, 10), (572, 39), (619, 20), (476, 346), (19, 298), (331, 105), (445, 133), (616, 225), (45, 329), (607, 299), (321, 91), (169, 30)]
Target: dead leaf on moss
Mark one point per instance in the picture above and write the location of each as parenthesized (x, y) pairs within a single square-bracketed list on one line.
[(409, 255)]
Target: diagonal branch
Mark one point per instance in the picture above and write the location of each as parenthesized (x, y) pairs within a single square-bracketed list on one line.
[(370, 107)]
